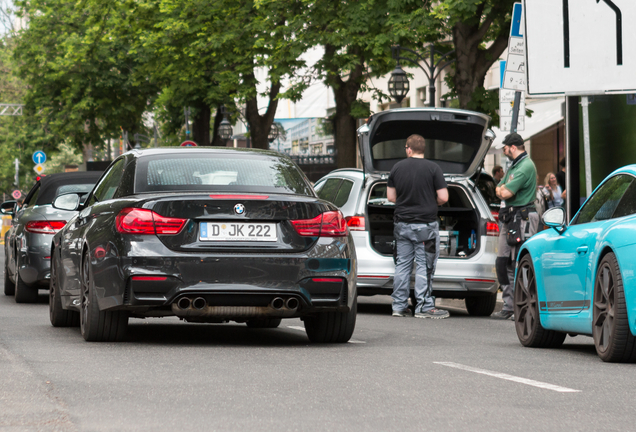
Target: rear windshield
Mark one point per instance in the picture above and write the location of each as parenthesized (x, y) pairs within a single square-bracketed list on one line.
[(220, 172)]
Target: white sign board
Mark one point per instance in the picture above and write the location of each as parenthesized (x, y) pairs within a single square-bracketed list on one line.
[(580, 46), (515, 76), (506, 103)]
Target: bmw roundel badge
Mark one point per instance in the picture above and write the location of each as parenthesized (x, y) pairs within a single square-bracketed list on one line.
[(239, 209)]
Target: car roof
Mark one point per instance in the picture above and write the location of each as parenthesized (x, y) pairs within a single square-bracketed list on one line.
[(50, 183), (199, 150)]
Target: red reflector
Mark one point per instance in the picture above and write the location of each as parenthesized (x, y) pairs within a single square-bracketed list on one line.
[(355, 223), (492, 229), (373, 277), (328, 224), (480, 280), (240, 197), (144, 222), (149, 278), (326, 280), (45, 227)]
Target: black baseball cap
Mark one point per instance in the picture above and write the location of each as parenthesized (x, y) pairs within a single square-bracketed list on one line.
[(511, 139)]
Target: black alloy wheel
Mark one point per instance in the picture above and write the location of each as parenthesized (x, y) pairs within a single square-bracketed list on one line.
[(23, 292), (483, 305), (332, 327), (59, 316), (613, 339), (526, 310), (97, 325), (9, 287)]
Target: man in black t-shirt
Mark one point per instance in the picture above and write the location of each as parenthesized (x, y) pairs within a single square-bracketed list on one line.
[(417, 187)]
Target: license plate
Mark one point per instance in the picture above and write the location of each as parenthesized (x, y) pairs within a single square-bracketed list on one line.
[(233, 231)]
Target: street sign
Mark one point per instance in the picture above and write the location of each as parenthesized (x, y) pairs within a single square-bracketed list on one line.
[(188, 144), (506, 104), (39, 157), (16, 194), (39, 168), (515, 71), (580, 47)]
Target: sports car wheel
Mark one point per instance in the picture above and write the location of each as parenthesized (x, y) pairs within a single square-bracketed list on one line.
[(97, 325), (23, 292), (264, 323), (58, 316), (332, 327), (612, 337), (9, 287), (526, 307), (482, 305)]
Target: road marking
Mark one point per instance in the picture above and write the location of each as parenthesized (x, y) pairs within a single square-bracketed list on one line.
[(504, 376), (353, 341)]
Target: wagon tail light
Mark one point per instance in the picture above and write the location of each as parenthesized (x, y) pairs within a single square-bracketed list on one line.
[(146, 222), (45, 227), (327, 224), (356, 223), (492, 229)]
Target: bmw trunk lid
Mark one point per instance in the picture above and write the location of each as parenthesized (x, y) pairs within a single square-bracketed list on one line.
[(457, 140)]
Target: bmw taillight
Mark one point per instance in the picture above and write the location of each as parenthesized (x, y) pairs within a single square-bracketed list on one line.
[(327, 224), (355, 223), (45, 227), (146, 222), (492, 229)]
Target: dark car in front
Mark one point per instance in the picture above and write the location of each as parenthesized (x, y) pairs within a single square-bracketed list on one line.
[(208, 235)]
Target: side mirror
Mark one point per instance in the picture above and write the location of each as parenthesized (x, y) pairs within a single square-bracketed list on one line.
[(555, 218), (70, 202), (8, 207)]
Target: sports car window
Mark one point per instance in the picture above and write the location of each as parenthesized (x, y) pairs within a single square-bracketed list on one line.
[(32, 198), (627, 206), (109, 183), (246, 172), (603, 203)]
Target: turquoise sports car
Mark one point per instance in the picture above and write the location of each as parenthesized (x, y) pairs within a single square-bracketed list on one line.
[(581, 278)]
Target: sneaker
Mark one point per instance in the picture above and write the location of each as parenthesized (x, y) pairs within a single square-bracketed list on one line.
[(402, 313), (503, 315), (433, 313)]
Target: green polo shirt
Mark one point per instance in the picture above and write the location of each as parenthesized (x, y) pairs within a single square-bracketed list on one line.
[(521, 180)]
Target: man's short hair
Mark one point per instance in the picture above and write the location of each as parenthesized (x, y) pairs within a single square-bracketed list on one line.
[(562, 163), (496, 169), (416, 143)]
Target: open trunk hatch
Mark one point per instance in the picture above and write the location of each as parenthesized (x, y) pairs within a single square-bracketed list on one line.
[(456, 140)]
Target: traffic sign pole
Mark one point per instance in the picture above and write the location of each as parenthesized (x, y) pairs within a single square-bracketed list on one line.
[(515, 112)]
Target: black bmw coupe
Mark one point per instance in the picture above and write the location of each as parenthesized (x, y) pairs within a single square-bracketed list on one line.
[(207, 234)]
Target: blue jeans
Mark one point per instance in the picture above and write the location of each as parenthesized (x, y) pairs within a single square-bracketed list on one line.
[(419, 242)]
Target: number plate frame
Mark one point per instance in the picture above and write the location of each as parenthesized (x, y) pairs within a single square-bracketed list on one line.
[(237, 232)]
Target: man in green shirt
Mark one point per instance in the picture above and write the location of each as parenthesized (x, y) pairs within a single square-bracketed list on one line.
[(517, 191)]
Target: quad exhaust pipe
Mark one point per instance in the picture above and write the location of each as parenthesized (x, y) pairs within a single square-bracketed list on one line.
[(199, 307), (199, 303)]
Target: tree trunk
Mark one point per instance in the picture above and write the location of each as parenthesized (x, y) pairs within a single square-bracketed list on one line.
[(201, 125), (260, 124), (472, 62), (216, 139), (345, 93)]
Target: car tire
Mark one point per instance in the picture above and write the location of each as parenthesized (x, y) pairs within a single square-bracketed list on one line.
[(59, 316), (613, 339), (264, 323), (526, 309), (481, 305), (9, 287), (332, 327), (23, 292), (97, 325)]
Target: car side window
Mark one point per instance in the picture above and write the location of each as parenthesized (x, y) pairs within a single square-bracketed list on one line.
[(602, 205), (342, 196), (329, 189), (627, 205), (32, 198), (109, 183)]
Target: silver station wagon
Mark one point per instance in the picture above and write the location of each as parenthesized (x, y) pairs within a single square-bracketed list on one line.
[(457, 140)]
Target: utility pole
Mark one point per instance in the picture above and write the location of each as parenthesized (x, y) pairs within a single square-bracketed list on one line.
[(17, 173)]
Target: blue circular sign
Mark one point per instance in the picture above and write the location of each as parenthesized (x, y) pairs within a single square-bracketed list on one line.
[(39, 157)]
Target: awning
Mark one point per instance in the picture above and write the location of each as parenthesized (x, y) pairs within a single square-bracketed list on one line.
[(546, 114)]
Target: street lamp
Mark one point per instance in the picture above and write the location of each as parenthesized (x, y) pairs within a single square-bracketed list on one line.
[(225, 128), (399, 80)]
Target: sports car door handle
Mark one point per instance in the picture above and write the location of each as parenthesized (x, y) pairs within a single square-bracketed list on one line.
[(581, 250)]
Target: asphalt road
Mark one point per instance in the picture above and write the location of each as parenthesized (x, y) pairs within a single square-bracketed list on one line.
[(459, 374)]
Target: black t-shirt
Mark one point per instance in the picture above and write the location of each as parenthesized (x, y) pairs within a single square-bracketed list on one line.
[(561, 179), (416, 182)]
